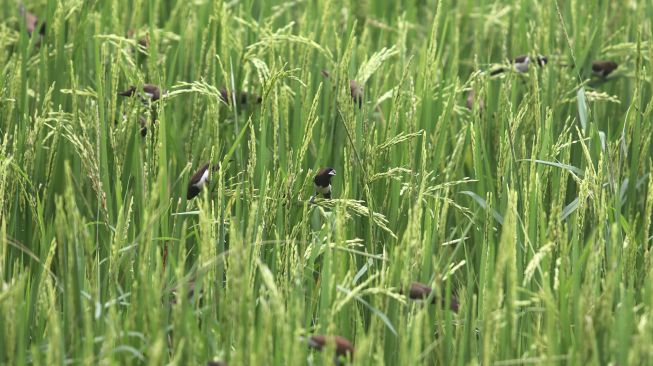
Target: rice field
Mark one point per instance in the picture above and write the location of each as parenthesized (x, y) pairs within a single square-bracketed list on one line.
[(158, 162)]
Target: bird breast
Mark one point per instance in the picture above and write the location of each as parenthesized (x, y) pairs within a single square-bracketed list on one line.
[(205, 177), (522, 66), (323, 190)]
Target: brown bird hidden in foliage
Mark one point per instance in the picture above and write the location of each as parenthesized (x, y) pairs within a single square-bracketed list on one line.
[(355, 89), (242, 98), (343, 347), (191, 288), (143, 42), (420, 291), (31, 22), (144, 124), (471, 97), (603, 68), (216, 363)]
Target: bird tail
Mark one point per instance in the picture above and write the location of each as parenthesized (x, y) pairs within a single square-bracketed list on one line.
[(497, 71)]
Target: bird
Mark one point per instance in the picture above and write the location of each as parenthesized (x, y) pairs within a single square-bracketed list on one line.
[(602, 68), (469, 102), (143, 41), (343, 348), (191, 287), (322, 182), (420, 291), (31, 21), (141, 120), (150, 92), (216, 363), (355, 89), (199, 180), (242, 97), (520, 64)]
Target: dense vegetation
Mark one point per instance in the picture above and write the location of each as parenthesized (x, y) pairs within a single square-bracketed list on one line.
[(533, 208)]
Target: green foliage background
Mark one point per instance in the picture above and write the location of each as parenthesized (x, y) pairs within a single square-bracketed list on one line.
[(535, 210)]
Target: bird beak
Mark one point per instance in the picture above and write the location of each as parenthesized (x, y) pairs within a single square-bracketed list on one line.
[(333, 172)]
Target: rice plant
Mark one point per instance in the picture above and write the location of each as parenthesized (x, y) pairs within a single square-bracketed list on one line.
[(163, 198)]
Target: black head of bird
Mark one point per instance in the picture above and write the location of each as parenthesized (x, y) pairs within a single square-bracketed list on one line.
[(149, 92), (542, 60), (603, 68), (199, 180), (322, 181)]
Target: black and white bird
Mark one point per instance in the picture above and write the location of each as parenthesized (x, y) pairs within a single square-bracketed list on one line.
[(520, 64), (199, 180), (602, 69), (322, 181), (149, 92)]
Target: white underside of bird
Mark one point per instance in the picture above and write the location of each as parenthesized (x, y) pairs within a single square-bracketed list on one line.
[(323, 190), (522, 66), (205, 178)]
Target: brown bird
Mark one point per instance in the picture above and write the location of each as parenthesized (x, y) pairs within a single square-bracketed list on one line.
[(216, 363), (344, 348), (603, 68), (143, 122), (242, 97), (199, 180), (143, 42), (322, 182), (471, 96), (150, 93), (31, 22), (355, 89), (420, 291), (190, 292)]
